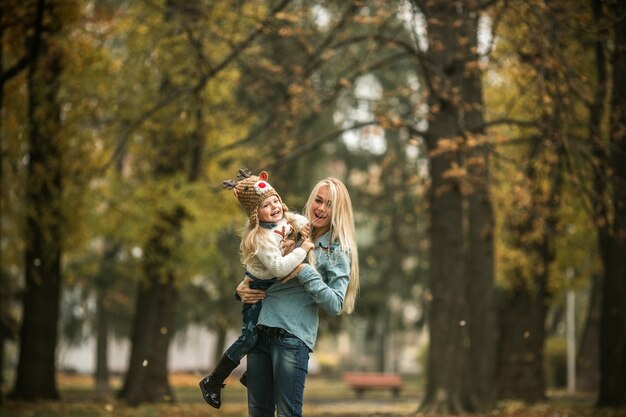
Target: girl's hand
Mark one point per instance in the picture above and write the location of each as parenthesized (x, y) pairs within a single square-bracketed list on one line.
[(287, 246), (247, 294), (305, 232), (307, 245), (293, 273)]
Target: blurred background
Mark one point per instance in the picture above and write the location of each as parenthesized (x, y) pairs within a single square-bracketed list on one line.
[(482, 142)]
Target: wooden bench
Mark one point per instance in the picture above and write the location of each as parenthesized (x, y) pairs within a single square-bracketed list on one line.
[(362, 381)]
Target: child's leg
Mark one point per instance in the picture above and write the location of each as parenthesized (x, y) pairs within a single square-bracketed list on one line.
[(212, 385), (248, 338)]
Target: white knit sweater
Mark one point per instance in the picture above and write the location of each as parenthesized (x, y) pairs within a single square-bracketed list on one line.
[(269, 262)]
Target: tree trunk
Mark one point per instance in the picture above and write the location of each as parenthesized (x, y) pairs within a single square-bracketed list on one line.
[(220, 343), (102, 343), (613, 314), (457, 330), (522, 315), (521, 322), (520, 371), (3, 277), (104, 278), (147, 377), (446, 357), (480, 250), (383, 332), (38, 336), (587, 366)]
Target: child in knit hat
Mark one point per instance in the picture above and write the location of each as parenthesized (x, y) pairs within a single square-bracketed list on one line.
[(268, 254)]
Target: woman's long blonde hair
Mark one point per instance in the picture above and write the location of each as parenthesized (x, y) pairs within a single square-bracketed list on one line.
[(341, 230)]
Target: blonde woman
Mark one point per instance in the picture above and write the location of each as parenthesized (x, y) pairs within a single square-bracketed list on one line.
[(288, 322)]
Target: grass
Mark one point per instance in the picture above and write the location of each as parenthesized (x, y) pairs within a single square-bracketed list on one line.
[(323, 398)]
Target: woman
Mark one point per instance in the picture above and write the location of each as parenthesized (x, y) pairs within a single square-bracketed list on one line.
[(288, 323)]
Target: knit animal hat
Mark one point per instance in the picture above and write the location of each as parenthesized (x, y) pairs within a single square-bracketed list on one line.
[(251, 190)]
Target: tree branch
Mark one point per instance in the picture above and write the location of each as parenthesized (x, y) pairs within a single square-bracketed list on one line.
[(311, 145), (179, 93)]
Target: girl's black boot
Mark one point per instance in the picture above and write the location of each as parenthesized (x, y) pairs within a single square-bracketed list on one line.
[(212, 385)]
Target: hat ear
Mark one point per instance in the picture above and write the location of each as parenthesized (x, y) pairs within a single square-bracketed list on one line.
[(263, 175)]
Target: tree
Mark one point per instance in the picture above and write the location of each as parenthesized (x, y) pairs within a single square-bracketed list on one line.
[(480, 228), (178, 132), (539, 222), (450, 71), (44, 220), (146, 379), (587, 366), (9, 172), (613, 312)]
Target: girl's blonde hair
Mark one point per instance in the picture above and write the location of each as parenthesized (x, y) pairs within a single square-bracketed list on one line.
[(341, 230), (247, 247)]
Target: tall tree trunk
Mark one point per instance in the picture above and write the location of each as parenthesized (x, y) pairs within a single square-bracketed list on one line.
[(103, 281), (3, 277), (462, 345), (382, 331), (147, 377), (521, 373), (101, 375), (220, 343), (520, 345), (522, 314), (448, 311), (446, 357), (587, 362), (613, 315), (480, 251), (38, 336)]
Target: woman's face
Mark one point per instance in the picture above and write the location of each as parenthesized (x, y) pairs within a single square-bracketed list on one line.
[(321, 209), (270, 210)]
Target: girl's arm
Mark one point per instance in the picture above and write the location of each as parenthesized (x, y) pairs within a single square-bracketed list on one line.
[(329, 295), (271, 256), (300, 220)]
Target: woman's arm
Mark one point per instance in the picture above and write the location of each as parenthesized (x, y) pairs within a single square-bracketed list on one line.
[(329, 295)]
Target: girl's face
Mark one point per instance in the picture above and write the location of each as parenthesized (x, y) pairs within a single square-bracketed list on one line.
[(321, 209), (270, 210)]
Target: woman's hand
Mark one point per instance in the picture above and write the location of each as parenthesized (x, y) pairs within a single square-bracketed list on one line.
[(293, 273), (247, 294)]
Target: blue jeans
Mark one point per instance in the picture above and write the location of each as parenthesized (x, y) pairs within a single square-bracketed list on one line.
[(249, 333), (277, 370)]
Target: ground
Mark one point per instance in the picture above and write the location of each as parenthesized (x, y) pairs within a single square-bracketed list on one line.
[(324, 397)]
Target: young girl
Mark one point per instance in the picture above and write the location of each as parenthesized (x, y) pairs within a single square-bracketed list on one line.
[(269, 230)]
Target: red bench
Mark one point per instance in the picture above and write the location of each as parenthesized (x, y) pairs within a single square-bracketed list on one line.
[(362, 381)]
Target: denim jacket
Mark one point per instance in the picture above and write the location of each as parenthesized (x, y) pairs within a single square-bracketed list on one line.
[(293, 306)]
